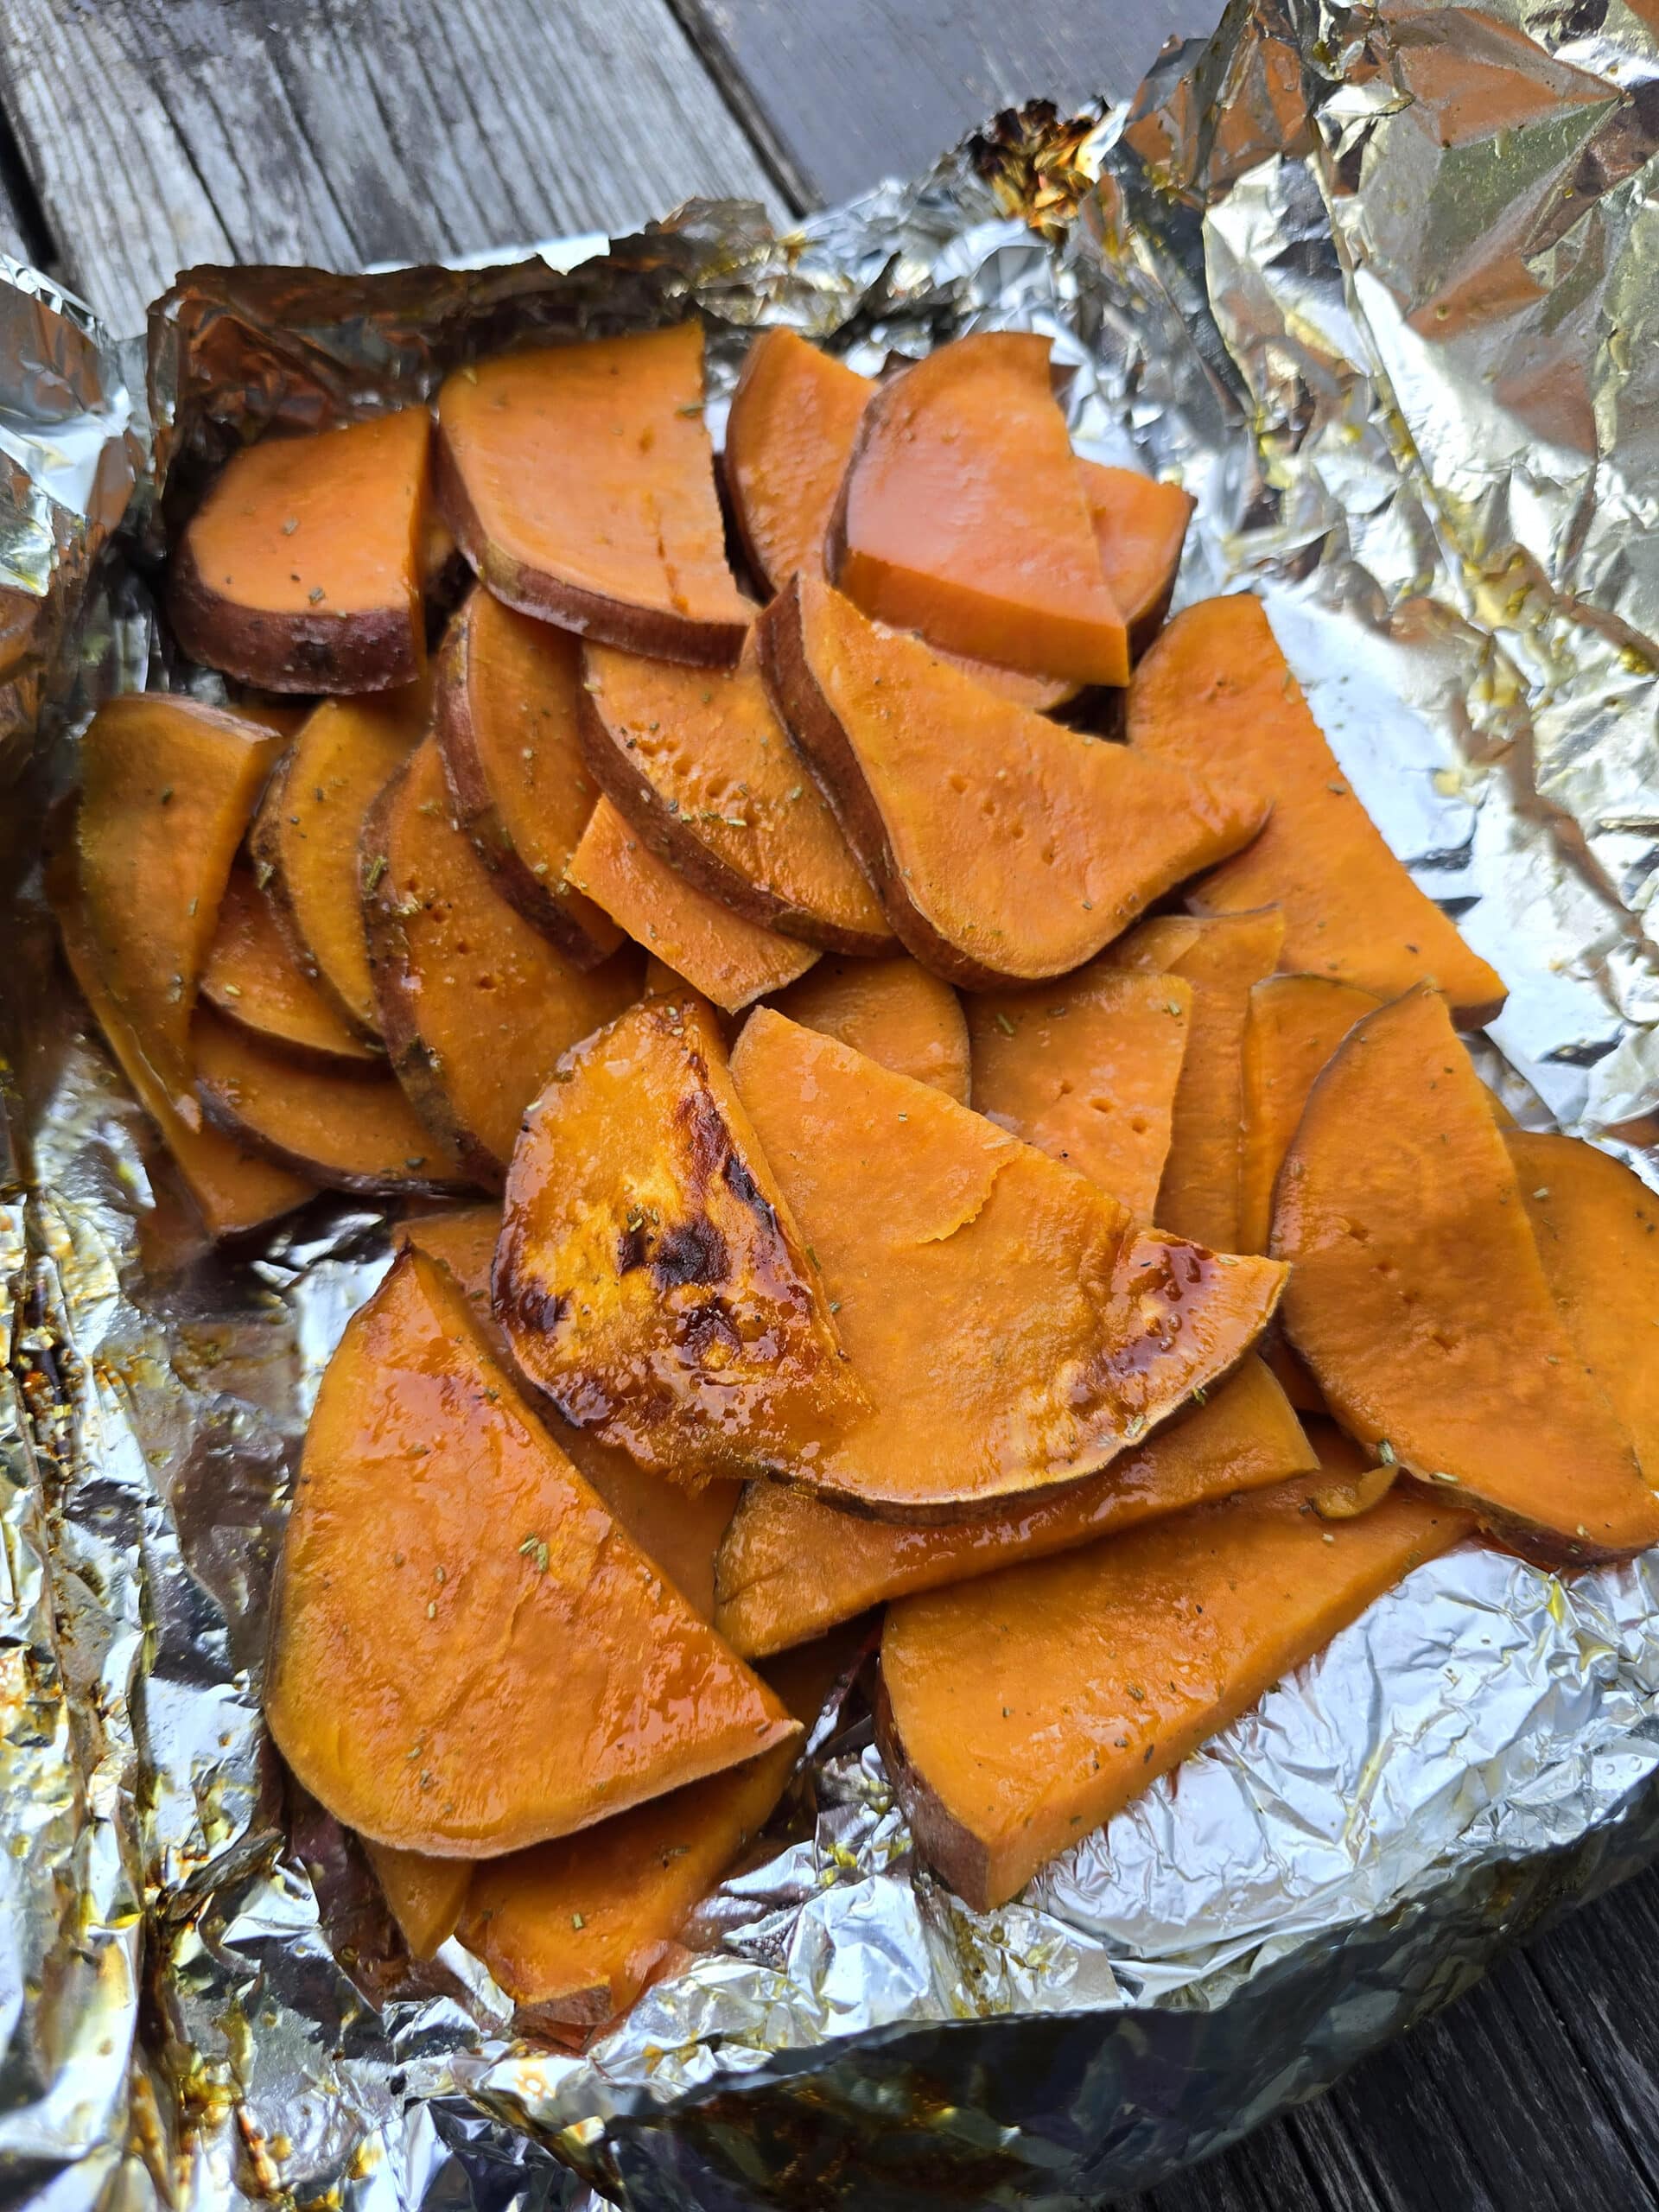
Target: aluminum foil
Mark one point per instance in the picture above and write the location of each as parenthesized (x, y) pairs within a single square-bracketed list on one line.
[(1376, 285)]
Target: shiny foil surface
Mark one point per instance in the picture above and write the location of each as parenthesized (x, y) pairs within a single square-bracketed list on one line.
[(1376, 286)]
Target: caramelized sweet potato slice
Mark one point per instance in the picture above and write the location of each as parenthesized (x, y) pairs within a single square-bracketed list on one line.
[(252, 977), (1140, 528), (508, 694), (1019, 1711), (698, 763), (1200, 1193), (1215, 697), (581, 485), (1054, 1334), (167, 788), (962, 515), (1418, 1299), (729, 960), (650, 1277), (302, 569), (1294, 1025), (791, 1566), (515, 1668), (891, 1010), (1086, 1068), (474, 1004), (979, 824), (793, 419), (423, 1895)]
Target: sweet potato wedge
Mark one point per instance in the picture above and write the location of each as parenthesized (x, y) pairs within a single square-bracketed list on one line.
[(790, 1566), (730, 960), (698, 763), (167, 788), (1056, 1333), (978, 823), (962, 515), (1199, 1196), (423, 1895), (1293, 1024), (891, 1010), (1214, 696), (650, 1277), (475, 1006), (624, 542), (302, 569), (252, 978), (516, 1668), (1418, 1299), (1086, 1069), (1140, 528), (506, 715)]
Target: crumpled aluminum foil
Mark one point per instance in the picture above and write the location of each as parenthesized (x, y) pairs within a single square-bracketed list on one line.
[(1375, 284)]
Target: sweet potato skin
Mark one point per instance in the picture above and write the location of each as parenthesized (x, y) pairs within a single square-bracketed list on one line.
[(892, 1011)]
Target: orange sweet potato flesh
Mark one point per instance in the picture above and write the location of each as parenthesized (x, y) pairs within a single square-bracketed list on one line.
[(424, 1896), (1140, 528), (979, 823), (302, 570), (962, 515), (1086, 1068), (1012, 1327), (791, 1566), (650, 1275), (1294, 1025), (167, 788), (698, 763), (579, 482), (474, 1004), (1418, 1297), (1018, 1713), (469, 1654), (891, 1010), (730, 960), (1201, 1193), (252, 977), (506, 712), (1214, 696)]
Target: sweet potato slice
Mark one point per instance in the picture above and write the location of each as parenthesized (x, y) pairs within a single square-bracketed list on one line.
[(515, 1668), (794, 417), (1018, 1712), (979, 824), (167, 788), (1140, 528), (1199, 1196), (891, 1010), (1418, 1299), (697, 762), (506, 714), (962, 515), (650, 1277), (1597, 1228), (729, 960), (302, 569), (1086, 1069), (1214, 696), (423, 1895), (344, 1129), (1055, 1333), (581, 485), (252, 978), (474, 1004), (1293, 1024), (790, 1566)]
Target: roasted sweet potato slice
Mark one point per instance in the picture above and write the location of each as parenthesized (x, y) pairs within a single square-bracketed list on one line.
[(474, 1004), (515, 1668), (1086, 1068), (729, 960), (506, 703), (251, 976), (962, 515), (891, 1010), (581, 485), (1293, 1024), (790, 1566), (1199, 1196), (1019, 1711), (650, 1277), (1418, 1299), (1056, 1333), (423, 1895), (979, 824), (1214, 696), (698, 763), (306, 838), (302, 569), (793, 419), (167, 788), (1140, 528)]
